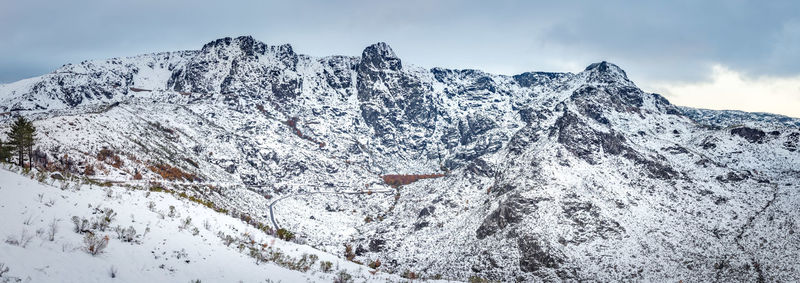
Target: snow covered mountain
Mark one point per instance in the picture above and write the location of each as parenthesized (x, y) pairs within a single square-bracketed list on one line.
[(537, 176)]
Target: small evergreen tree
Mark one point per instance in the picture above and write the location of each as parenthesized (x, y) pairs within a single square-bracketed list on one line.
[(5, 151), (30, 140), (21, 138)]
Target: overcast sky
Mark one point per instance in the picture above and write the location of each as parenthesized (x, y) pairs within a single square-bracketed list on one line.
[(713, 54)]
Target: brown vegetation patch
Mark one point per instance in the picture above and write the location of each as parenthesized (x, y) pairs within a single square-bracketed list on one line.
[(400, 180), (172, 173), (292, 123), (134, 89), (109, 157)]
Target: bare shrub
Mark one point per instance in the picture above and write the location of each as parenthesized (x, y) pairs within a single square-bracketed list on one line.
[(186, 223), (52, 229), (375, 264), (113, 272), (39, 232), (227, 239), (305, 262), (285, 235), (408, 274), (326, 266), (28, 220), (3, 269), (127, 235), (95, 245), (81, 225), (343, 277), (103, 221), (22, 240), (89, 170), (348, 252)]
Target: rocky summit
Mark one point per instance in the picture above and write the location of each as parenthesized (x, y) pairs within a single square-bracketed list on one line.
[(437, 173)]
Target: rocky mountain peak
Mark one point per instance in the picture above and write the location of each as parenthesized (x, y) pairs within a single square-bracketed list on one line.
[(604, 66), (606, 73), (246, 44), (380, 56)]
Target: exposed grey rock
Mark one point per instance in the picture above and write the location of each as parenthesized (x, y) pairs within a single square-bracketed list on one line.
[(511, 211), (792, 141), (750, 134), (536, 255)]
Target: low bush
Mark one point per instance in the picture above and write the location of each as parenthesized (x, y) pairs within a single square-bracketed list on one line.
[(3, 269), (95, 245), (89, 170), (52, 229), (375, 264), (477, 279), (343, 277), (348, 252), (186, 223), (81, 225), (408, 274), (22, 240), (104, 219), (326, 266), (127, 235), (172, 212), (285, 235)]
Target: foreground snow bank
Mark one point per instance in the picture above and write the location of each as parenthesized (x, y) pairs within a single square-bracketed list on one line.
[(150, 237)]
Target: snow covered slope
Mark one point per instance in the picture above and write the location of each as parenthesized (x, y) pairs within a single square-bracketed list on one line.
[(152, 237), (546, 176)]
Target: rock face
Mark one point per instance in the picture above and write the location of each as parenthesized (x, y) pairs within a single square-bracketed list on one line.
[(236, 66), (547, 176), (512, 211), (750, 134)]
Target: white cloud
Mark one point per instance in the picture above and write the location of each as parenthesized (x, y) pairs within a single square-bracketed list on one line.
[(732, 90)]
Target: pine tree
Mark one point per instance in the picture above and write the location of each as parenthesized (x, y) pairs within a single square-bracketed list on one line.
[(21, 138), (5, 151), (30, 139)]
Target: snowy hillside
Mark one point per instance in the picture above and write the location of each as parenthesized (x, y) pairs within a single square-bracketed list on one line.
[(536, 176), (151, 237)]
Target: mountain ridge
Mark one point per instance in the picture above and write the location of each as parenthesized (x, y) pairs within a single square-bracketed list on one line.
[(545, 176)]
